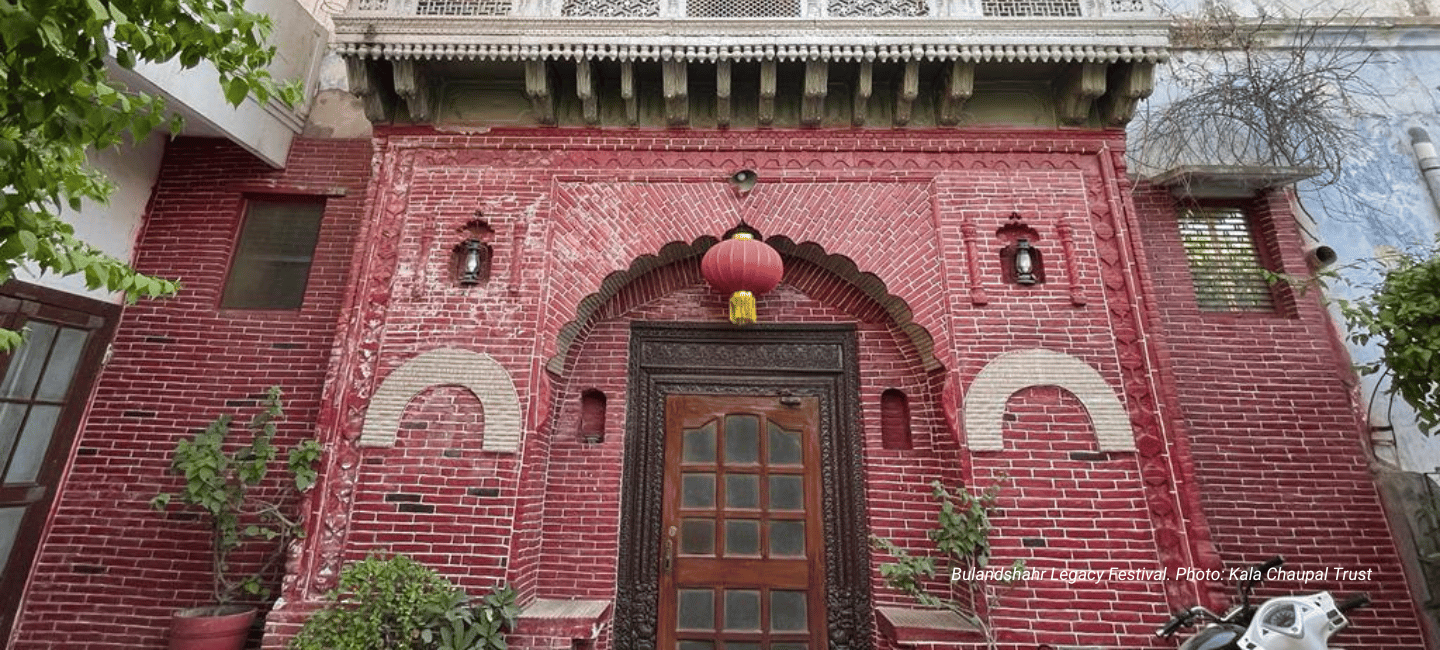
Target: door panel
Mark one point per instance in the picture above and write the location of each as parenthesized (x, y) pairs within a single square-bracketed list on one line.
[(742, 540)]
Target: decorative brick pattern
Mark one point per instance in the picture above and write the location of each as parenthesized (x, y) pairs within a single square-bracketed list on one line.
[(1239, 439), (475, 371), (1010, 372)]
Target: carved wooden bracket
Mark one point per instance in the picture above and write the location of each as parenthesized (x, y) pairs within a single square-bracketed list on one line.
[(676, 78), (909, 91), (722, 93), (585, 90), (362, 84), (627, 93), (767, 92), (1078, 91), (540, 92), (864, 87), (817, 85), (414, 88), (1129, 83)]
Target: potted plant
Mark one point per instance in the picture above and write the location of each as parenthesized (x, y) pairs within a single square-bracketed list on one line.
[(223, 476)]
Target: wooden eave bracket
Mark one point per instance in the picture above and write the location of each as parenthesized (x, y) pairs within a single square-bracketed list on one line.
[(676, 79), (413, 87), (363, 85), (959, 86), (540, 91), (1078, 90), (817, 85), (1128, 84)]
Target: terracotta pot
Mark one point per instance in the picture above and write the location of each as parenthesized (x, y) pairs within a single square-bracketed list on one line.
[(222, 627)]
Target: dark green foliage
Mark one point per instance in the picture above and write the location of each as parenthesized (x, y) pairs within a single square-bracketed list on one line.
[(222, 484), (396, 604), (60, 103), (1402, 314)]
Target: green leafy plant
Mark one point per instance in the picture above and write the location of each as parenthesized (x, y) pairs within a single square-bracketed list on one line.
[(962, 542), (1401, 313), (223, 478), (60, 104), (395, 603)]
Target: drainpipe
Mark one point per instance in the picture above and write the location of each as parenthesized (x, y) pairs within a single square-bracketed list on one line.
[(1429, 162)]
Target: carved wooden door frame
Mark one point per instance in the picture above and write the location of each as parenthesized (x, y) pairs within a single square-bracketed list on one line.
[(767, 359)]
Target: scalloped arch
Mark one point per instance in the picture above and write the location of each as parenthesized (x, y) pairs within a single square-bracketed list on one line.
[(867, 283)]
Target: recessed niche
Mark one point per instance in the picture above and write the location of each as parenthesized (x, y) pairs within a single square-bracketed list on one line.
[(895, 420), (592, 417)]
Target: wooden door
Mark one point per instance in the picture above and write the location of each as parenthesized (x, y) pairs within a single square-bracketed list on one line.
[(742, 564)]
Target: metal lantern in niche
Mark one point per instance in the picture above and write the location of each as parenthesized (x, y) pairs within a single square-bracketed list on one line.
[(472, 256), (743, 267), (1021, 260), (1024, 262)]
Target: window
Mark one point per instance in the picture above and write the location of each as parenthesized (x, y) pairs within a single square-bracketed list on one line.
[(272, 260), (1224, 263), (44, 386)]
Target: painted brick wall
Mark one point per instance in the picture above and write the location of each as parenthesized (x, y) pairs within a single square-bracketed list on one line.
[(899, 232), (111, 569), (1275, 442)]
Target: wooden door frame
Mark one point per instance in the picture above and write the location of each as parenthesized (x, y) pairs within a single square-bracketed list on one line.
[(21, 302), (766, 359)]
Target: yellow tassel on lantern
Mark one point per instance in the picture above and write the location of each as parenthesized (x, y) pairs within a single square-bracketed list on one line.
[(742, 308)]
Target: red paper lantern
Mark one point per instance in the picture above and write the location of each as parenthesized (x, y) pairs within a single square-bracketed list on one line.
[(743, 267)]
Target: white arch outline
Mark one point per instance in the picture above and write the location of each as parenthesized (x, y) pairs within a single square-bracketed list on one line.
[(1011, 372), (475, 371)]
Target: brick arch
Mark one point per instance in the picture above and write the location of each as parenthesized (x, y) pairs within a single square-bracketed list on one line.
[(870, 285), (1011, 372), (474, 371)]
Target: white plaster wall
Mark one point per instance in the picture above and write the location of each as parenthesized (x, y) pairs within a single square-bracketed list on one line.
[(115, 226)]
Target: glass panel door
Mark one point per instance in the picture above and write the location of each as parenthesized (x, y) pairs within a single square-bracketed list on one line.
[(742, 552)]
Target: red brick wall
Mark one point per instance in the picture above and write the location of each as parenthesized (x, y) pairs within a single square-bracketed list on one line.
[(112, 570), (898, 232), (1275, 440)]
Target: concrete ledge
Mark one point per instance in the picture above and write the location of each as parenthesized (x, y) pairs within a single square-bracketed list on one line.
[(907, 626), (570, 619)]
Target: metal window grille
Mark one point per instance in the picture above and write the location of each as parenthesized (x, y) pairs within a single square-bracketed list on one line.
[(463, 8), (1030, 8), (743, 8), (1224, 264)]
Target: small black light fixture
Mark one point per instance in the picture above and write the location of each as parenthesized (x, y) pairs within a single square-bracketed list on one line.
[(472, 262), (1024, 262)]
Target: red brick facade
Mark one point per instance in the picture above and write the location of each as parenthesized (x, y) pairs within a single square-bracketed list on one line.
[(1232, 421)]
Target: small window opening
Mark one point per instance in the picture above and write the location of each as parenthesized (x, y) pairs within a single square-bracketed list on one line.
[(1225, 265), (895, 420), (271, 265), (592, 416)]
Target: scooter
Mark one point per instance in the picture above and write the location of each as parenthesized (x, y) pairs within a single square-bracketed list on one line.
[(1282, 623)]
